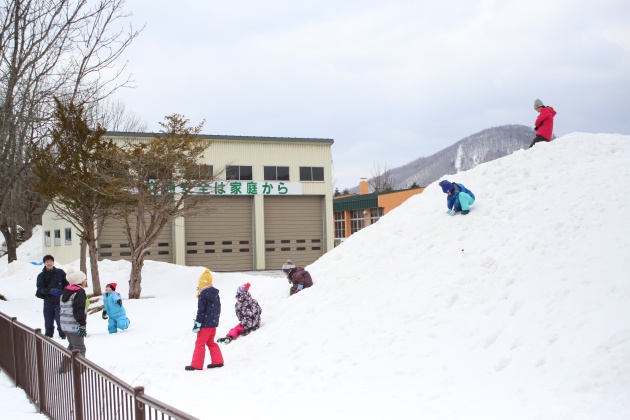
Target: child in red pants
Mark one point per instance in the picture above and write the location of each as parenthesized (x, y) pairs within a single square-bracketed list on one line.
[(206, 323)]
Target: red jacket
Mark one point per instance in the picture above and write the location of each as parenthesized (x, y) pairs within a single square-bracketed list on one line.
[(544, 122)]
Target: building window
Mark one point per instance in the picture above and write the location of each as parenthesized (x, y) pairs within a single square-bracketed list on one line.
[(311, 173), (68, 236), (340, 224), (200, 172), (47, 238), (357, 221), (57, 237), (276, 173), (375, 214), (238, 173)]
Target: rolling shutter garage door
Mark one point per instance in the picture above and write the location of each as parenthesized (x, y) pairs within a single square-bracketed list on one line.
[(294, 230), (112, 244), (221, 237)]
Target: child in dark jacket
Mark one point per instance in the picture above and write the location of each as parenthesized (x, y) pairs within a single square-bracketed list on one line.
[(297, 276), (458, 198), (248, 313), (206, 323), (73, 314), (113, 309)]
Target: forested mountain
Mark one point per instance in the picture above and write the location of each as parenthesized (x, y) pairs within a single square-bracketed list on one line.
[(487, 145)]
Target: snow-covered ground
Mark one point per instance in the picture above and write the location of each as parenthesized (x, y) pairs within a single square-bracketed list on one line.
[(518, 310)]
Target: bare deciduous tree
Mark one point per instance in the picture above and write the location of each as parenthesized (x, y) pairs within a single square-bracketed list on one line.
[(50, 48), (157, 187), (382, 179), (115, 116)]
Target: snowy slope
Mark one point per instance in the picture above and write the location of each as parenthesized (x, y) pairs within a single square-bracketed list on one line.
[(518, 310)]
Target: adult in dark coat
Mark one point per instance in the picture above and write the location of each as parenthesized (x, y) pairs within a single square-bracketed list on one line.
[(50, 284), (297, 276)]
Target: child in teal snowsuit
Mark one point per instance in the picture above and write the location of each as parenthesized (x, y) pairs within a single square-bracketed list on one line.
[(458, 197), (112, 307)]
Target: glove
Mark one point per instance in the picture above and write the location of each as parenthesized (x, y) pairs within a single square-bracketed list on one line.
[(81, 331), (197, 327), (451, 212), (119, 302), (300, 287), (104, 316), (55, 292)]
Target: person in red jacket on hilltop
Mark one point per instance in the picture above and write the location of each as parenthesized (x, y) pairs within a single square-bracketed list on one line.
[(297, 276), (544, 122)]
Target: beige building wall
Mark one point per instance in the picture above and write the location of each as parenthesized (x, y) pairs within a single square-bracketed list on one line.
[(243, 151), (63, 251)]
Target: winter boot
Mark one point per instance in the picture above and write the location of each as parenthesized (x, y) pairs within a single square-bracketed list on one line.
[(191, 368), (225, 340), (218, 365), (465, 212)]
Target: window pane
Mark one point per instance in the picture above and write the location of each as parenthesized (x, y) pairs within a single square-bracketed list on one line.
[(206, 172), (318, 173), (270, 173), (246, 173), (283, 173), (231, 172), (305, 173)]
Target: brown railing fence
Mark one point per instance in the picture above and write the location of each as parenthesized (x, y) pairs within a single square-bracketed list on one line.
[(66, 386)]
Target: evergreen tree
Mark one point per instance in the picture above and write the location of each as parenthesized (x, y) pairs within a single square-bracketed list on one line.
[(70, 171)]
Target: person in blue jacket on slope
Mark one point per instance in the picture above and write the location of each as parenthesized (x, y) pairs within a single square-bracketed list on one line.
[(459, 198)]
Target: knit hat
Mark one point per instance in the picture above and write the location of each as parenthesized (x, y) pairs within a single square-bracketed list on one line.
[(538, 103), (446, 186), (288, 266), (75, 277), (112, 286), (205, 280), (243, 289)]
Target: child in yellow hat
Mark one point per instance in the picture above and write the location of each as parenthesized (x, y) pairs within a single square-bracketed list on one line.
[(206, 323)]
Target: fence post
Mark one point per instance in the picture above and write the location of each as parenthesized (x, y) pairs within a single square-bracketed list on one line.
[(13, 346), (138, 406), (76, 385), (39, 355)]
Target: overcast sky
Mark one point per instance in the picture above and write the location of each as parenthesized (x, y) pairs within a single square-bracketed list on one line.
[(389, 81)]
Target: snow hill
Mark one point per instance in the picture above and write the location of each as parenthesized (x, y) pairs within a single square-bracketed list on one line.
[(518, 310)]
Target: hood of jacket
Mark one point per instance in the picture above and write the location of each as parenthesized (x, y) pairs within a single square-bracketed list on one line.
[(69, 291)]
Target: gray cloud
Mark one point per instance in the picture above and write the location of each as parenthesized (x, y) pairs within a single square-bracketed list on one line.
[(389, 81)]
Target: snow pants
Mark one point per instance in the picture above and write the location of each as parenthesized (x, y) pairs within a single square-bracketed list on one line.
[(465, 200), (205, 337), (114, 324), (536, 140), (236, 331), (51, 315), (74, 343)]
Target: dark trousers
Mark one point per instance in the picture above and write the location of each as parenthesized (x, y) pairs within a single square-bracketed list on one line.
[(537, 139), (51, 315)]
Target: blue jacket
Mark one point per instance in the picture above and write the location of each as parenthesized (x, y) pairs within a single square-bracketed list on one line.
[(53, 279), (452, 200), (208, 307), (111, 306)]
